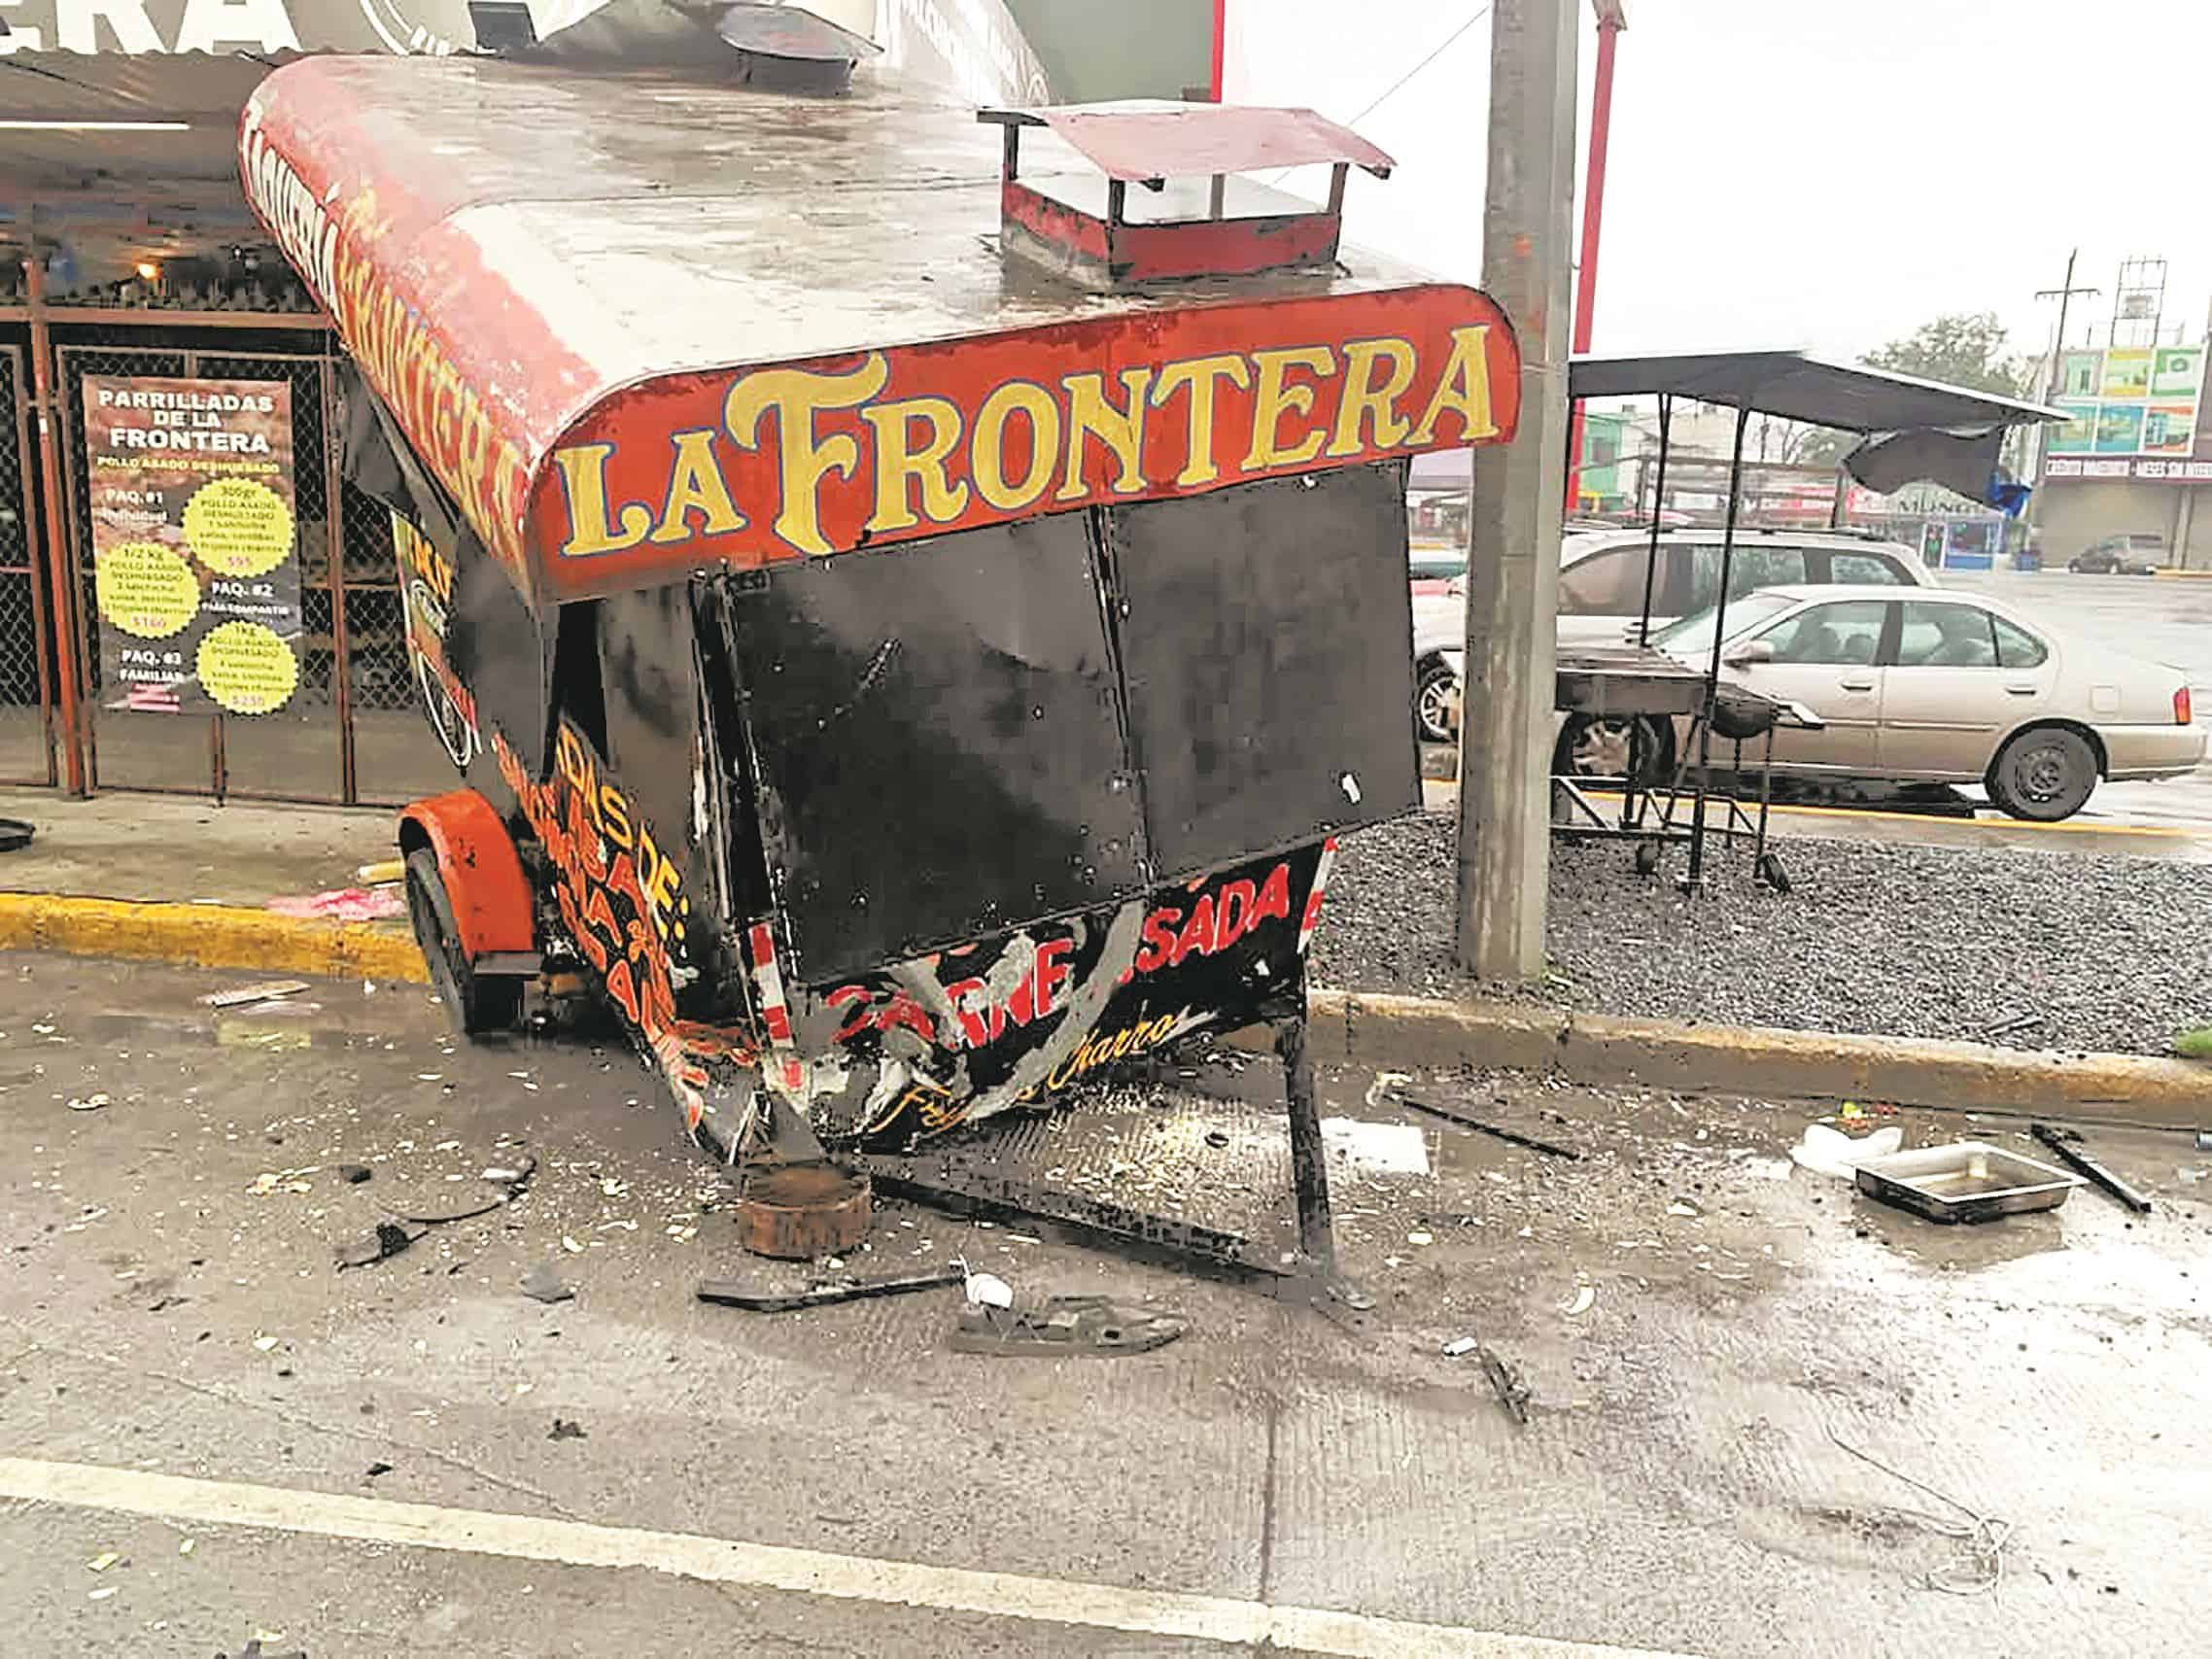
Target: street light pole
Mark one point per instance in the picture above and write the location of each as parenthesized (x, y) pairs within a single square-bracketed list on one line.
[(1512, 580), (1612, 18)]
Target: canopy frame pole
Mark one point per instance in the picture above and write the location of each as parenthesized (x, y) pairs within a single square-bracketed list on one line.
[(1658, 505), (1694, 883)]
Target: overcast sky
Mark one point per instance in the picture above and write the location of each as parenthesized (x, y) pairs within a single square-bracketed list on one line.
[(1800, 172)]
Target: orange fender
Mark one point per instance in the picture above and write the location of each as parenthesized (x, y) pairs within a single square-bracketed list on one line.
[(492, 904)]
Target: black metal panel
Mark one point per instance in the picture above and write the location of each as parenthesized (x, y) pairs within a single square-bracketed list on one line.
[(500, 652), (936, 741), (1266, 642)]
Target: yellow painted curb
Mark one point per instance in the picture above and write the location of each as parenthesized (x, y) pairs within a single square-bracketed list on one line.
[(2185, 575), (1363, 1028), (209, 935)]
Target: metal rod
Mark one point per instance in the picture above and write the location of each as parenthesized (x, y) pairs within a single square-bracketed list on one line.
[(61, 562), (1658, 504), (1609, 26), (334, 525), (2083, 1165), (36, 575), (735, 1293), (1453, 1114), (1720, 631), (1309, 1162), (68, 316)]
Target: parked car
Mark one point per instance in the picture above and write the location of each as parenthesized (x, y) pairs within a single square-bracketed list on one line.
[(1431, 571), (1948, 687), (2135, 553), (1601, 591)]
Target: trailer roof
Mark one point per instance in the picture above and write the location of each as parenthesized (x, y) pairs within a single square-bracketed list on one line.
[(523, 255)]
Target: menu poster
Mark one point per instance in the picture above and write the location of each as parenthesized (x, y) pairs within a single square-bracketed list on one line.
[(194, 564)]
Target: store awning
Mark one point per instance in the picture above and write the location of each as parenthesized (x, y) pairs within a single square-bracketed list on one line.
[(1798, 386)]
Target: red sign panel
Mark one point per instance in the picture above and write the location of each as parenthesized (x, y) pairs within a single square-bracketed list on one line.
[(755, 465)]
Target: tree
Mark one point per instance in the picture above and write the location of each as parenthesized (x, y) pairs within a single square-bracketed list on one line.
[(1957, 349)]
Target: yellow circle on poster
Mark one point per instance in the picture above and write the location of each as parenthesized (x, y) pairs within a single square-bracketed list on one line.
[(238, 528), (145, 589), (246, 668)]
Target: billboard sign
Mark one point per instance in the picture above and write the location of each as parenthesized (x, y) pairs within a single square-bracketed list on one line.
[(2129, 400)]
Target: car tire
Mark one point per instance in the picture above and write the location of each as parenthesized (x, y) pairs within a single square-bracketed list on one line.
[(1592, 745), (1431, 689), (475, 1002), (2044, 773)]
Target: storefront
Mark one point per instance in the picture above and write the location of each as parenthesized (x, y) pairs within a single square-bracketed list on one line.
[(191, 598)]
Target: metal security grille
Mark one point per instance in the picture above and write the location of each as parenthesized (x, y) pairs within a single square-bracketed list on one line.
[(350, 733), (26, 749)]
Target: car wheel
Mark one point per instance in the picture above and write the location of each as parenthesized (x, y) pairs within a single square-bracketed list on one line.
[(2044, 773), (473, 1002), (1433, 701), (1594, 746)]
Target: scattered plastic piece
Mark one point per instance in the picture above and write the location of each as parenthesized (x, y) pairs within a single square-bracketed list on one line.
[(1583, 1298), (1831, 1152), (1063, 1324), (265, 990), (988, 1290), (1459, 1345), (543, 1284), (89, 1103)]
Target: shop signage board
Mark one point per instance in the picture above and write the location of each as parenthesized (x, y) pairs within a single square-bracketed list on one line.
[(2130, 401), (196, 566)]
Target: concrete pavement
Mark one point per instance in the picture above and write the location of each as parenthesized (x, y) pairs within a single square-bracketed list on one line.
[(1693, 1316)]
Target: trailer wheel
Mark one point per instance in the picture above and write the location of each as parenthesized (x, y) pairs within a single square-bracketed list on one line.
[(475, 1002)]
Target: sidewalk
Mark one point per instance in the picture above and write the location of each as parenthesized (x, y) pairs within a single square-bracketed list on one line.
[(178, 878)]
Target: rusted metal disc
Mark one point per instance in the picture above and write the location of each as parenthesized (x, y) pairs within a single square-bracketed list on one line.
[(803, 1211)]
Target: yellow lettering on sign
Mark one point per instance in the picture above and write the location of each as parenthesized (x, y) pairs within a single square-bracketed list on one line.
[(1121, 430), (898, 464), (1272, 399), (1363, 398), (695, 485), (988, 446), (583, 480), (804, 455), (1464, 389), (1197, 377)]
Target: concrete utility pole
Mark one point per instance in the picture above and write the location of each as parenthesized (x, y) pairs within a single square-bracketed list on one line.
[(1512, 586)]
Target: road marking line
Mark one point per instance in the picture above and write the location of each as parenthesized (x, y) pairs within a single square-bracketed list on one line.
[(774, 1566)]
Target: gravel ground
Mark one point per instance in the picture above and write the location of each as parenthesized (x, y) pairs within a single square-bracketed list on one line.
[(2114, 954)]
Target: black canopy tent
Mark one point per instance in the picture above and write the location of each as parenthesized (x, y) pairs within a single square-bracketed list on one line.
[(1790, 385)]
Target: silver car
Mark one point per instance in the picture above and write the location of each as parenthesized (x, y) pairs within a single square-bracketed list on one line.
[(1601, 594), (1948, 687)]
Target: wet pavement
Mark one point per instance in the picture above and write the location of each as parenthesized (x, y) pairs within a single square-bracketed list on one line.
[(1693, 1318)]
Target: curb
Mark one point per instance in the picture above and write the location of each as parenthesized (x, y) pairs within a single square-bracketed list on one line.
[(2170, 575), (1372, 1029), (209, 935), (1361, 1028)]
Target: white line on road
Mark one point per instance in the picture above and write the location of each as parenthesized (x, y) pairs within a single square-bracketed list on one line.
[(774, 1566)]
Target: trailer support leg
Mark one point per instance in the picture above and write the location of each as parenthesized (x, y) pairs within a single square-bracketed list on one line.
[(1309, 1166)]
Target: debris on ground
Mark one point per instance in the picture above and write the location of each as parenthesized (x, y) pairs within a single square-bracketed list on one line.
[(730, 1293), (1585, 1296), (1467, 1121), (543, 1284), (565, 1429), (1376, 1149), (1459, 1345), (1965, 1180), (2061, 1142), (1984, 1538), (342, 903), (87, 1103), (386, 1241), (353, 1174), (265, 990), (1064, 1325), (1831, 1152), (987, 1289), (1512, 1393), (376, 1469), (14, 835)]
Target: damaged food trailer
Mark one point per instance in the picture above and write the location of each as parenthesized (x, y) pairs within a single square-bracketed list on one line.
[(908, 612)]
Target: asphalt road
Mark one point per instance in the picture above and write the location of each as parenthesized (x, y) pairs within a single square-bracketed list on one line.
[(210, 1436)]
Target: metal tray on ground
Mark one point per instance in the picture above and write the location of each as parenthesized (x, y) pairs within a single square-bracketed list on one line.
[(1967, 1180)]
